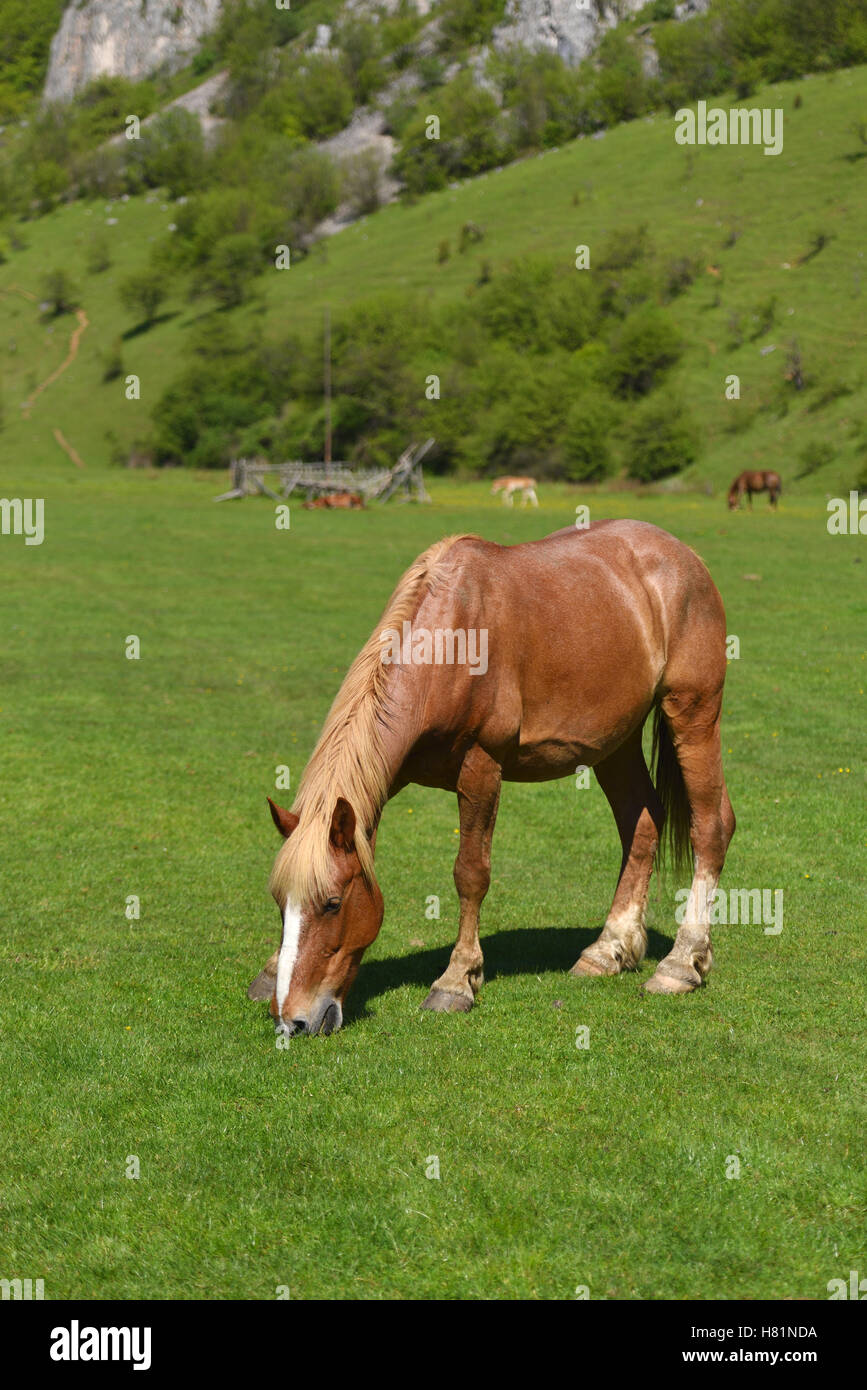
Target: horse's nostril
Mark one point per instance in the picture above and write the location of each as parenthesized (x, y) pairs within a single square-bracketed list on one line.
[(299, 1025)]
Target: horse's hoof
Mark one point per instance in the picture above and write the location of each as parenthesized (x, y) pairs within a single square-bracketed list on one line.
[(586, 965), (672, 984), (445, 1001)]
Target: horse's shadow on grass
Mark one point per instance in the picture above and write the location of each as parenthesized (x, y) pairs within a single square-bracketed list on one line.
[(515, 952)]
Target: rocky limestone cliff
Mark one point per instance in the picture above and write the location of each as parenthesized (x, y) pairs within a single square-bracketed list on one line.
[(124, 38), (570, 28)]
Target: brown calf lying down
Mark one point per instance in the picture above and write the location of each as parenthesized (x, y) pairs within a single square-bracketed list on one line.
[(350, 500)]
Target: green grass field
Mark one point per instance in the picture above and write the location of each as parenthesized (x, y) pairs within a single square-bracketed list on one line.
[(306, 1167)]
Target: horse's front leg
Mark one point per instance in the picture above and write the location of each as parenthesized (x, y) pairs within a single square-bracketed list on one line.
[(478, 797)]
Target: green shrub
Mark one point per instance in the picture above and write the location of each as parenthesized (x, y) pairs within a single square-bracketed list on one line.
[(49, 182), (764, 317), (204, 60), (58, 293), (314, 97), (104, 173), (171, 152), (515, 309), (230, 381), (100, 110), (622, 91), (471, 235), (624, 249), (586, 439), (678, 276), (642, 351), (545, 99), (26, 30), (360, 43), (468, 22), (232, 265), (814, 456), (97, 256), (748, 76), (310, 189), (142, 293), (471, 137), (360, 178), (661, 439)]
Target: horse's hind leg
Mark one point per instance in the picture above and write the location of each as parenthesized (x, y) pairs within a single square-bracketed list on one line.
[(694, 723), (478, 797), (638, 812)]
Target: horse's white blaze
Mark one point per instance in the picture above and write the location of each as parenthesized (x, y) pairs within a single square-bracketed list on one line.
[(288, 953)]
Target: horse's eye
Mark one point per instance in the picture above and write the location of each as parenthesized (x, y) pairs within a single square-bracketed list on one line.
[(333, 905)]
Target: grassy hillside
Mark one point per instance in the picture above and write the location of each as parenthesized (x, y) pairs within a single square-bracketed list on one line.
[(692, 201)]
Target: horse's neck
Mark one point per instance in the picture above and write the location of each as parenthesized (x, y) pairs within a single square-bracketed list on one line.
[(402, 728)]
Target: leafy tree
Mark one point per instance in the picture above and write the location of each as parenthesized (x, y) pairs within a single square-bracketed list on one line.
[(58, 293), (142, 293), (471, 137), (642, 350), (360, 44), (171, 152), (661, 439), (587, 439), (234, 262), (361, 181), (468, 22)]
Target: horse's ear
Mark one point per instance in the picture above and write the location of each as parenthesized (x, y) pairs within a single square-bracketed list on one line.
[(285, 821), (343, 825)]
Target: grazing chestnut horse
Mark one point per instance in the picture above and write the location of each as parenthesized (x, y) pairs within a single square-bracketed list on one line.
[(585, 633), (749, 482)]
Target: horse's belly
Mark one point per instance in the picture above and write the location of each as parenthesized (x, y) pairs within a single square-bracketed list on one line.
[(547, 760), (577, 722)]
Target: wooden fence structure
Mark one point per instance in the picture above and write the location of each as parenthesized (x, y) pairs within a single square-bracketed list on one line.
[(316, 479)]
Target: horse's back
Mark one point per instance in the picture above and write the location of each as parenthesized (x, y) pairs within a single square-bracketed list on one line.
[(629, 549), (617, 585)]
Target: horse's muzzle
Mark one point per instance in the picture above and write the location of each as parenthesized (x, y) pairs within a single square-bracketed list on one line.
[(326, 1018)]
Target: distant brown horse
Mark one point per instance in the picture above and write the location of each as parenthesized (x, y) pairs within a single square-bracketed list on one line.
[(754, 481), (519, 663), (350, 500)]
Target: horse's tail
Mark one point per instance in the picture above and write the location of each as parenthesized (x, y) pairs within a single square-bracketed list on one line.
[(674, 842)]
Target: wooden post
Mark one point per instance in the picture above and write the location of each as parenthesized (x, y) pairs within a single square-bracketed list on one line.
[(327, 350)]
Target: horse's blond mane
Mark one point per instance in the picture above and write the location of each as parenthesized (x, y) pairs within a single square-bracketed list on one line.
[(349, 759)]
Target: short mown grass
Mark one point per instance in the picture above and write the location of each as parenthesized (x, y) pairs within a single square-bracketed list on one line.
[(306, 1167)]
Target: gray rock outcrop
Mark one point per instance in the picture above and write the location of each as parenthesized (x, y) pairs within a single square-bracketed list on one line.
[(126, 38), (567, 27)]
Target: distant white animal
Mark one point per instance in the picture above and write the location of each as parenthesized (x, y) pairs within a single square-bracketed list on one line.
[(509, 486)]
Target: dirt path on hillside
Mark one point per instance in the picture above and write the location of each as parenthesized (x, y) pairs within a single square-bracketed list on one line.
[(75, 339), (68, 449)]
